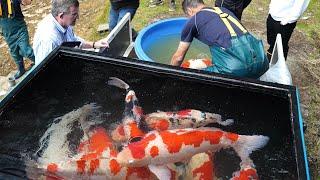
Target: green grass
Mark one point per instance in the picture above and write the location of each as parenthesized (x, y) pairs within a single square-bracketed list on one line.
[(144, 15), (311, 26)]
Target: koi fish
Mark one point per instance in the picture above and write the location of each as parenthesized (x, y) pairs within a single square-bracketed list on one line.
[(200, 167), (188, 118), (160, 121), (97, 159), (197, 63), (170, 146), (246, 173), (132, 113)]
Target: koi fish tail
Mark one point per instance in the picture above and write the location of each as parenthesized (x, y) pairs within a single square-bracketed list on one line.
[(216, 118), (132, 108), (113, 81), (245, 145)]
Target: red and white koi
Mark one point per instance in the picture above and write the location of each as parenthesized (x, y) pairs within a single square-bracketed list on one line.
[(188, 118), (132, 113), (197, 63), (200, 167), (97, 160), (164, 147)]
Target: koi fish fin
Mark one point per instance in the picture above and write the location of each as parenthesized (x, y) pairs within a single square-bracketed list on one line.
[(162, 172), (226, 122), (245, 145), (113, 81), (216, 118)]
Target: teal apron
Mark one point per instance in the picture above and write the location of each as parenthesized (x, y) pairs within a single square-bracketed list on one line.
[(245, 57)]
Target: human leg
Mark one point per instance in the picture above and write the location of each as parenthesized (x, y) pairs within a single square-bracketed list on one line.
[(132, 11), (246, 3), (124, 11), (25, 50), (154, 3), (172, 5), (273, 28), (286, 32), (231, 5), (113, 18), (10, 32)]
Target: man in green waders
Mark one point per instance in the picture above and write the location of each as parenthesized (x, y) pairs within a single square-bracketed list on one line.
[(234, 51), (15, 32)]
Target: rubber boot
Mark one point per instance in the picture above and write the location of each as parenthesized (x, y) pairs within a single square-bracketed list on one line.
[(21, 70)]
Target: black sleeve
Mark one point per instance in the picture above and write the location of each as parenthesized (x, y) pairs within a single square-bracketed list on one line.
[(189, 31)]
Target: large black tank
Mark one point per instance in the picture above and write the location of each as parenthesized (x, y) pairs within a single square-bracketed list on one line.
[(70, 78)]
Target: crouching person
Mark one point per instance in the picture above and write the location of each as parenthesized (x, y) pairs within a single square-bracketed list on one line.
[(234, 50)]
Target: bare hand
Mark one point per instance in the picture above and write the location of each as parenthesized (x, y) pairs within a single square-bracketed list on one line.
[(101, 44)]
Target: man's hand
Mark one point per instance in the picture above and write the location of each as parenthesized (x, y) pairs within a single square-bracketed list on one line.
[(25, 2), (101, 44)]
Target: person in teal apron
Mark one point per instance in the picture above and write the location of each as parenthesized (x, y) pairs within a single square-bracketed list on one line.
[(15, 32), (234, 50)]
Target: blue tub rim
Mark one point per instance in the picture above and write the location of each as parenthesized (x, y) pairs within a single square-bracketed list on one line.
[(137, 44)]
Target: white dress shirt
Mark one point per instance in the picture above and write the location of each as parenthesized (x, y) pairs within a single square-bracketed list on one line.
[(287, 11), (49, 35)]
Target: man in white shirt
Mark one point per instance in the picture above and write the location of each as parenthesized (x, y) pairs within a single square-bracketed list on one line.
[(56, 28), (283, 17)]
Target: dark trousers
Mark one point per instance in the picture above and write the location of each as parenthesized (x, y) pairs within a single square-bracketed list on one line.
[(235, 6), (273, 28), (15, 33)]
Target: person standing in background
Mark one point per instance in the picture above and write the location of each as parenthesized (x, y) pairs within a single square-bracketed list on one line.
[(235, 6), (118, 10), (282, 18), (15, 32), (172, 4)]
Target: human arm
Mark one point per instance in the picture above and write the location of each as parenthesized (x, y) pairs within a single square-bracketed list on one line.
[(92, 44), (96, 44), (297, 10), (178, 56)]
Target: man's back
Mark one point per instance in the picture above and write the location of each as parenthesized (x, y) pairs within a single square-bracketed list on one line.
[(209, 28)]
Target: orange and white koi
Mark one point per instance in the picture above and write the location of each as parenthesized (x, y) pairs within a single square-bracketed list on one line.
[(200, 167), (197, 63), (132, 113), (164, 147), (245, 174), (160, 121), (188, 118), (247, 170), (97, 159)]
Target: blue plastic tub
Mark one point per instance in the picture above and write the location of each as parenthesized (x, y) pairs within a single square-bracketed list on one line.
[(154, 32)]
